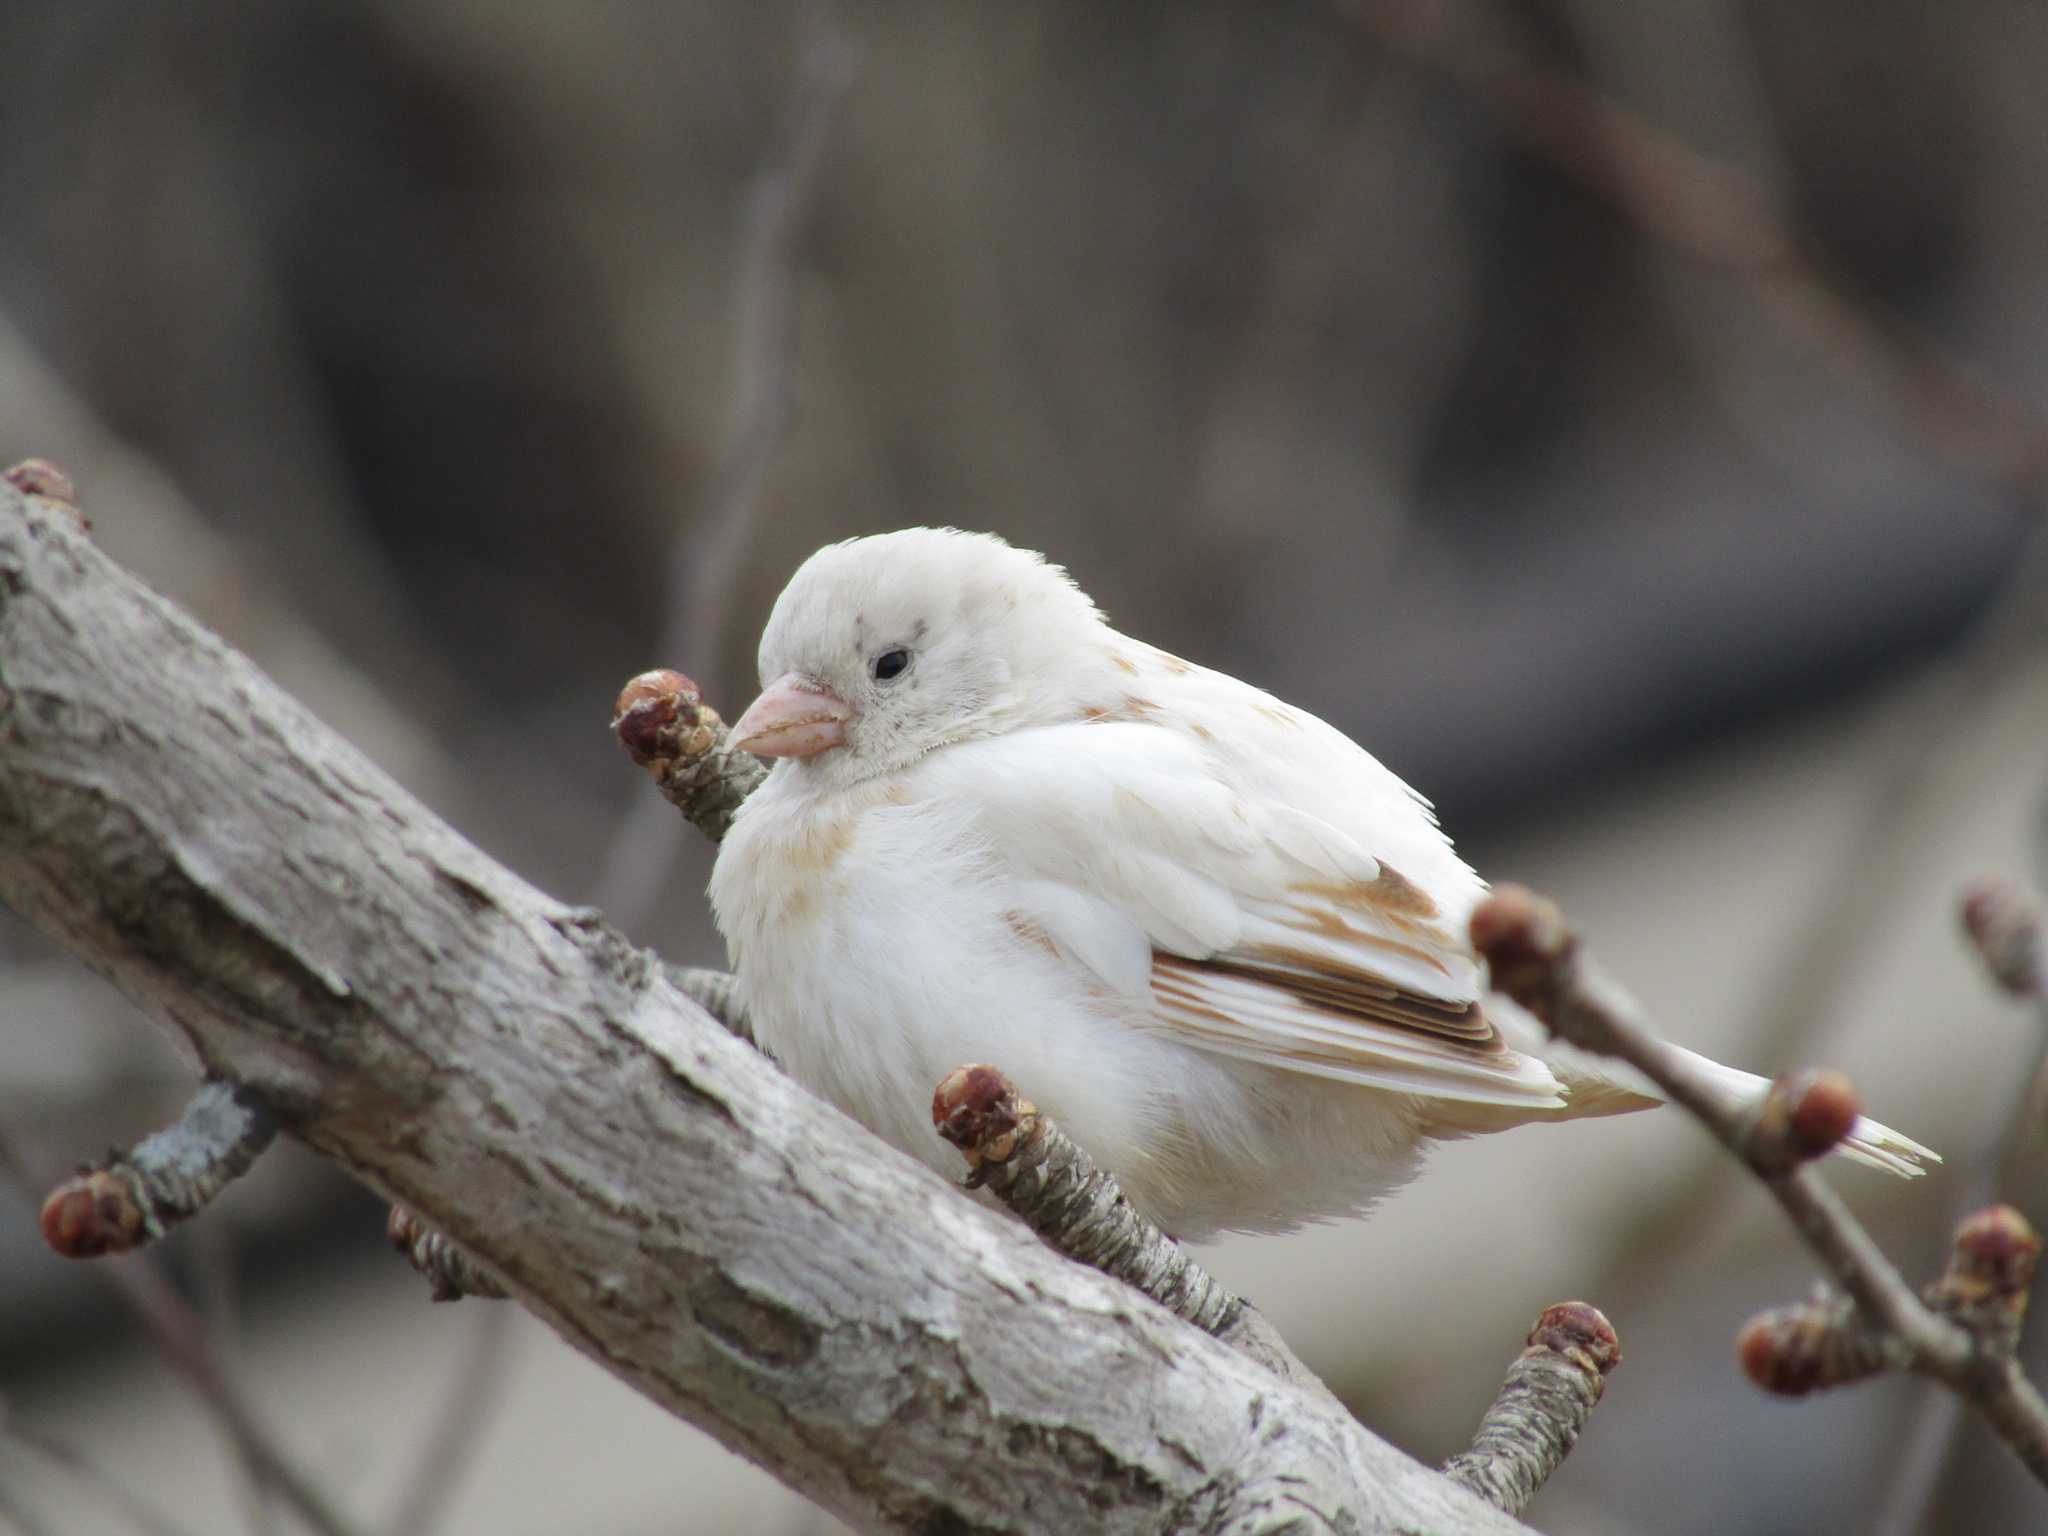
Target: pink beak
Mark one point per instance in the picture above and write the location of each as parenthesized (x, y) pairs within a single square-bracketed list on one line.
[(792, 719)]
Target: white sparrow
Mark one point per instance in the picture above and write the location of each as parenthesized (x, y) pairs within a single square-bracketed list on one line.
[(1211, 936)]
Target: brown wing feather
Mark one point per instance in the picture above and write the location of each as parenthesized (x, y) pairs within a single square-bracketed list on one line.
[(1346, 993)]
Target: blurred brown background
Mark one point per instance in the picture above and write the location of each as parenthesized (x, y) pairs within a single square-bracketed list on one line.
[(1619, 417)]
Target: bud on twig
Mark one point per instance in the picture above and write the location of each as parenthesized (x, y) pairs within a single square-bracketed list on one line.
[(1549, 1394), (135, 1197), (2005, 929), (665, 726), (1805, 1115)]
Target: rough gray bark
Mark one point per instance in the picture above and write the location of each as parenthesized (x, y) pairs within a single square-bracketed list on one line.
[(540, 1091)]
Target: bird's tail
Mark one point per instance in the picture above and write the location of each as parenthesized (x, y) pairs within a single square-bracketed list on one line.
[(1868, 1142), (1600, 1085)]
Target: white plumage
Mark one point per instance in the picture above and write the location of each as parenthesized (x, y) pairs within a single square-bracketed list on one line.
[(1207, 932)]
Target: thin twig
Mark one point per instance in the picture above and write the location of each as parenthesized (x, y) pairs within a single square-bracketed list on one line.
[(1026, 1161), (665, 726), (456, 1430), (2005, 930), (1550, 1392), (1536, 960), (705, 564), (135, 1197), (213, 1282)]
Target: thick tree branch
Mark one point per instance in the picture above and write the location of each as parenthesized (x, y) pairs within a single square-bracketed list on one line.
[(542, 1093)]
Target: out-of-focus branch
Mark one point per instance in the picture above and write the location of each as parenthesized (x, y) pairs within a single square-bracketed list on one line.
[(180, 1336), (706, 558), (1550, 1392), (1536, 960), (1023, 1158), (1715, 211), (138, 1511), (136, 1197), (456, 1431)]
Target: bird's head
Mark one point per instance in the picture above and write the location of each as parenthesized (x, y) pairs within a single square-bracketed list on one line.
[(881, 649)]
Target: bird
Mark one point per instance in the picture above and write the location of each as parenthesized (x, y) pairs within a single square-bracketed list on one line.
[(1212, 937)]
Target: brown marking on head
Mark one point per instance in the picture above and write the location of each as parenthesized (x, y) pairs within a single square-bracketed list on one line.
[(1125, 664), (1201, 731), (1174, 665), (1279, 714)]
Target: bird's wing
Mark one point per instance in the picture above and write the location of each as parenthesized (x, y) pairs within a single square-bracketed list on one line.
[(1201, 880)]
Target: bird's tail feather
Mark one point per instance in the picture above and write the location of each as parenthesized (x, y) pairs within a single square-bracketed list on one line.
[(1600, 1085), (1868, 1142)]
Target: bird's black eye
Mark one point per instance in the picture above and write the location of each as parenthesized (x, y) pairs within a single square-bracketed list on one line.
[(891, 664)]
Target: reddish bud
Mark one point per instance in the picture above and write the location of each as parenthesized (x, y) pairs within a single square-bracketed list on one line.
[(978, 1111), (1580, 1331), (1522, 936), (1995, 1252), (658, 717), (1825, 1111), (1765, 1362), (2005, 929), (93, 1214), (1795, 1350), (1805, 1115)]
